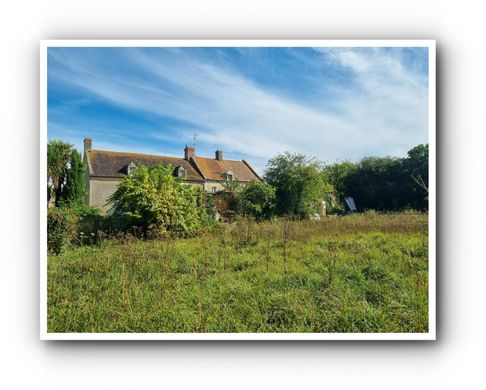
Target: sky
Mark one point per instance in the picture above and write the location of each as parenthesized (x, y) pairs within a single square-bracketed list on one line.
[(253, 103)]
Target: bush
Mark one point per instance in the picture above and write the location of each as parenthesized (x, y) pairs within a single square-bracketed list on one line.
[(61, 228), (70, 225), (160, 203), (257, 200)]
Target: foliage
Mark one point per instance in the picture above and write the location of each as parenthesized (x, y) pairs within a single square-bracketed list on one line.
[(229, 197), (75, 190), (337, 174), (58, 156), (67, 226), (206, 209), (231, 185), (356, 273), (331, 199), (383, 183), (160, 202), (65, 174), (377, 183), (61, 229), (257, 200), (298, 182), (417, 168)]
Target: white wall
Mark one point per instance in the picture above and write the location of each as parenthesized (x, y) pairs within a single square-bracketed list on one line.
[(455, 361)]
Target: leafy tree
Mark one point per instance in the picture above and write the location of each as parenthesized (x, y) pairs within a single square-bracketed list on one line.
[(384, 183), (298, 182), (417, 170), (160, 202), (337, 174), (58, 155), (336, 178), (75, 189), (377, 183), (65, 174), (257, 200)]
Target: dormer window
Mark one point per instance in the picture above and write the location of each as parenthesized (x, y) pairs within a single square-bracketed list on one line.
[(229, 176), (180, 171), (131, 167)]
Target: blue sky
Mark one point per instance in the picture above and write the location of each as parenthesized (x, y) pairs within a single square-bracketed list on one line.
[(253, 103)]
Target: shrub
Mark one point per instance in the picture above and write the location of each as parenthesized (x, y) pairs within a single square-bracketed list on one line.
[(70, 225), (160, 203), (257, 200), (61, 228)]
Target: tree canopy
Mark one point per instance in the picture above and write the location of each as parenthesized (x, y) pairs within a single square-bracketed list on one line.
[(298, 182), (65, 174), (75, 188), (384, 183), (257, 200)]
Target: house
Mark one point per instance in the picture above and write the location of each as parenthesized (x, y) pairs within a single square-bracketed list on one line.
[(105, 170)]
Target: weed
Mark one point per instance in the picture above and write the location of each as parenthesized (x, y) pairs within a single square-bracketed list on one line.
[(357, 273)]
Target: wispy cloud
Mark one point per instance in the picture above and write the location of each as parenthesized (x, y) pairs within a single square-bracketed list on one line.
[(381, 109)]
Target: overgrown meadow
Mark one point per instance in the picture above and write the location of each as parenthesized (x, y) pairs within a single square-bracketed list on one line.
[(354, 273)]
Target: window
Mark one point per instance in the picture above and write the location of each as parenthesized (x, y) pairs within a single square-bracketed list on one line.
[(213, 189), (131, 167), (181, 171), (229, 176)]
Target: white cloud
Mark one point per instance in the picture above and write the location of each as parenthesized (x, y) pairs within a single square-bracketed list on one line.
[(384, 112), (389, 102)]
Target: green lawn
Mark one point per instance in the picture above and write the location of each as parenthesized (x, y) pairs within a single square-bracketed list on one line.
[(359, 273)]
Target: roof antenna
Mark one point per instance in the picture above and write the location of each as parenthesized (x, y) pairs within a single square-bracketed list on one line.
[(194, 137)]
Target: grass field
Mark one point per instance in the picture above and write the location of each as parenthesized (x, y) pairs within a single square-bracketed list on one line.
[(358, 273)]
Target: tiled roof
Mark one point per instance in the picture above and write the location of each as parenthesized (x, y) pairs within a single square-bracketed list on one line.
[(213, 169), (113, 164)]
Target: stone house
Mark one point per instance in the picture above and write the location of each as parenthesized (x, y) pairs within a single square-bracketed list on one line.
[(105, 169)]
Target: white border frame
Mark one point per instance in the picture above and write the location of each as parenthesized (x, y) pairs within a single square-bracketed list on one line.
[(430, 44)]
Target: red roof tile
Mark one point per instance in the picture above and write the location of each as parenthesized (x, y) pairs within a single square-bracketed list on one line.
[(213, 169)]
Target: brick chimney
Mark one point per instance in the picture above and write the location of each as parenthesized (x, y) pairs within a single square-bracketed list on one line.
[(88, 144), (219, 155), (189, 152)]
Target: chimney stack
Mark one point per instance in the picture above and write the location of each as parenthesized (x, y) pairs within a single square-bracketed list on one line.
[(88, 144), (189, 152), (219, 155)]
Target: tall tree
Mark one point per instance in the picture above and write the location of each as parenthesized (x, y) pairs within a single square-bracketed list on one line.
[(257, 200), (377, 183), (384, 183), (417, 172), (58, 155), (298, 182), (337, 175), (75, 189)]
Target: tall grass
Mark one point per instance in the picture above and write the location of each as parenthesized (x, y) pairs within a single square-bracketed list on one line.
[(358, 273)]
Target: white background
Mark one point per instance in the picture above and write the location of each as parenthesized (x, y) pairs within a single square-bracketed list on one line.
[(455, 360)]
